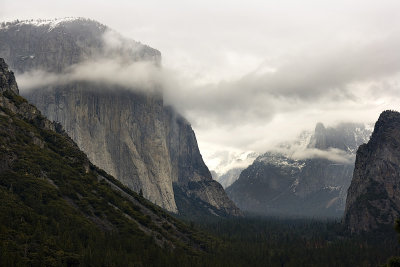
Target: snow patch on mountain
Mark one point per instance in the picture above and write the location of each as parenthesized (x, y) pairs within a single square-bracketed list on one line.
[(278, 159)]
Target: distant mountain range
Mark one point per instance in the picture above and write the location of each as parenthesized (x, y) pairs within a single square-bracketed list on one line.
[(308, 177)]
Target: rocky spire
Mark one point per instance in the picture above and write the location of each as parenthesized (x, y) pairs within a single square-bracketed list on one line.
[(7, 79)]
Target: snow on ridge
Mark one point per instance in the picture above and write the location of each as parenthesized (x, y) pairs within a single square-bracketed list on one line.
[(50, 23), (279, 159), (285, 153)]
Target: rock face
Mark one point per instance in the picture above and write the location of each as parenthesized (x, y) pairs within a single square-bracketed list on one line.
[(303, 181), (7, 79), (374, 194), (130, 134)]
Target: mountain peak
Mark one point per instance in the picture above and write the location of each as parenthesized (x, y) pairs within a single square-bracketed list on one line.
[(386, 117), (320, 136), (319, 127)]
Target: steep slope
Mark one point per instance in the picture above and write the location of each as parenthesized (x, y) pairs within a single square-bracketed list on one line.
[(59, 209), (308, 178), (126, 131), (374, 195)]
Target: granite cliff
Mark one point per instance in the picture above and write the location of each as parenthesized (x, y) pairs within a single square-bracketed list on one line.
[(373, 198), (128, 132)]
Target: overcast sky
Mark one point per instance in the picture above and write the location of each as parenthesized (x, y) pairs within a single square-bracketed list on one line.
[(250, 74)]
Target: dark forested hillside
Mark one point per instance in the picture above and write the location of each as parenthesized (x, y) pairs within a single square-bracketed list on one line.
[(59, 209)]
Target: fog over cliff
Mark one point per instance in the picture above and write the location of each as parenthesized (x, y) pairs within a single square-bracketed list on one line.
[(246, 75), (112, 66)]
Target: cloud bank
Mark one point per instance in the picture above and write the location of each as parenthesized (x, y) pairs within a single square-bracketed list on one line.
[(332, 154), (266, 106), (251, 75)]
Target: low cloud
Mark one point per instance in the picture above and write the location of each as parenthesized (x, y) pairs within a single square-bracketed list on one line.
[(139, 76), (263, 108), (223, 161), (351, 82), (317, 78), (332, 154), (114, 60)]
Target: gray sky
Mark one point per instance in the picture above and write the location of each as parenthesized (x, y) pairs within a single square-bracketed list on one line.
[(249, 74)]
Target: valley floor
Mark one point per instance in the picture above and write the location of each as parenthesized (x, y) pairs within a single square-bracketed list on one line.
[(295, 242)]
